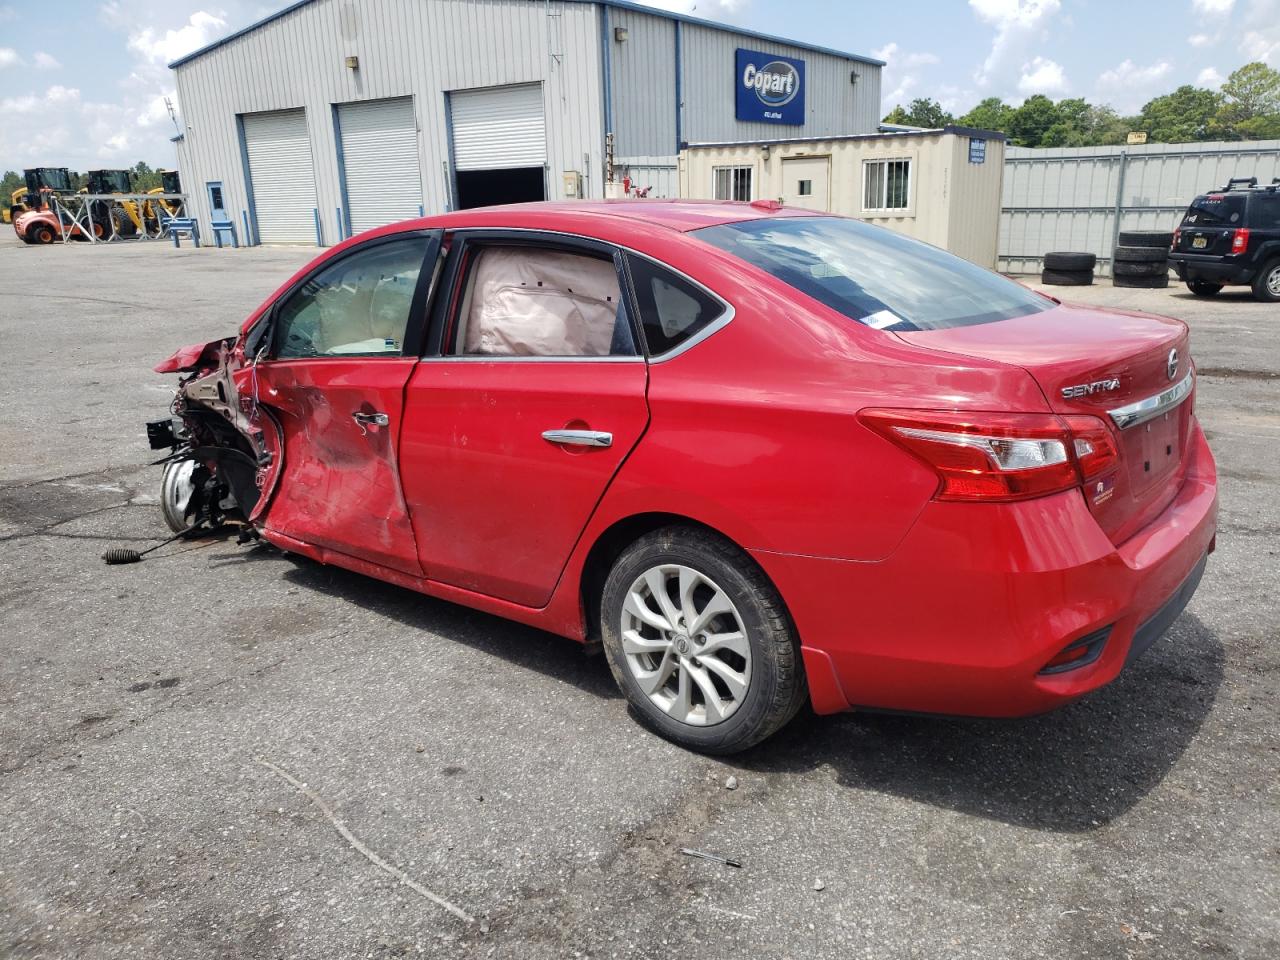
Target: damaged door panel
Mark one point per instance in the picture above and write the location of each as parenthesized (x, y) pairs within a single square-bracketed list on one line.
[(294, 425)]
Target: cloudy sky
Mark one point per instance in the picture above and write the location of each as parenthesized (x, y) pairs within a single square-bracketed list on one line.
[(83, 82)]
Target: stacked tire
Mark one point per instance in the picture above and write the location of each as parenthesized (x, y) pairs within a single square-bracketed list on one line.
[(1063, 269), (1141, 259)]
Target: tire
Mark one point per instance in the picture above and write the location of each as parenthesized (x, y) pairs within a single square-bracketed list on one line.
[(176, 489), (1146, 238), (41, 234), (1140, 254), (1065, 278), (767, 653), (1070, 262), (1124, 268), (1148, 283), (1203, 288), (1266, 285)]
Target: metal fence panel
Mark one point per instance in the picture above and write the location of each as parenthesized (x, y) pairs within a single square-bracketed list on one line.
[(1079, 198)]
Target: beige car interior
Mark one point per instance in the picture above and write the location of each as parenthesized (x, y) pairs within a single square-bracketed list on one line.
[(526, 302)]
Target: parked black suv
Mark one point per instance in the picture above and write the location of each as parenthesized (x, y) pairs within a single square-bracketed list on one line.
[(1231, 237)]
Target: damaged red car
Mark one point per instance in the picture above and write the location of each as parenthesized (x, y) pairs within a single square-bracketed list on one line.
[(767, 457)]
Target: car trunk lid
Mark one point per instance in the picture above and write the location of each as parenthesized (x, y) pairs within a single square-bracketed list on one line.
[(1096, 362)]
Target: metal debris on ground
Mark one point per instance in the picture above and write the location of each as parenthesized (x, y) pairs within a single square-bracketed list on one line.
[(713, 857), (819, 885), (731, 783)]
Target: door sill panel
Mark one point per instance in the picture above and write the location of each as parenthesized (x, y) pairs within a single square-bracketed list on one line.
[(551, 618)]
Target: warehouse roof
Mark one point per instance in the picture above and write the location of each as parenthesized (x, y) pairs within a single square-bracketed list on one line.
[(619, 4)]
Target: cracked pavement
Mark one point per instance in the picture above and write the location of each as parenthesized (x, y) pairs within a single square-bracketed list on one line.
[(495, 765)]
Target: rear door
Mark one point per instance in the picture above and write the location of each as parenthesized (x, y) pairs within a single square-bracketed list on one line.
[(1210, 223), (343, 345), (515, 428)]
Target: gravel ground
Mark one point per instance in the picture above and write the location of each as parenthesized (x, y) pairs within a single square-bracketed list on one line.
[(158, 724)]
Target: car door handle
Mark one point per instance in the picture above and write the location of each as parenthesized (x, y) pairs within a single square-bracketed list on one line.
[(371, 419), (579, 438)]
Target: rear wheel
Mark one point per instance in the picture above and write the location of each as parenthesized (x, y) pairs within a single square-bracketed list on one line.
[(1203, 288), (699, 642), (41, 233), (1266, 285)]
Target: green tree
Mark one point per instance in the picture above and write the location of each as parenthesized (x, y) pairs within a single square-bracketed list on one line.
[(1189, 113), (922, 112), (144, 178), (12, 181), (1030, 121), (991, 114), (1251, 103)]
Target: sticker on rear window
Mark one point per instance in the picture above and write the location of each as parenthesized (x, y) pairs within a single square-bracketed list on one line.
[(881, 319)]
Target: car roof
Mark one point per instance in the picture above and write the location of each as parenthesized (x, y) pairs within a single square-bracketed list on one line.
[(678, 215)]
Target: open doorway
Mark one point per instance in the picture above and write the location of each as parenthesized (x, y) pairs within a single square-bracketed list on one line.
[(485, 188)]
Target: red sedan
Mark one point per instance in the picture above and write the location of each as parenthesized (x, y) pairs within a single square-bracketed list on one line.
[(764, 456)]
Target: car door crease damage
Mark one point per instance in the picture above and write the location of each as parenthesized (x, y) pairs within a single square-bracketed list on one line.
[(543, 412)]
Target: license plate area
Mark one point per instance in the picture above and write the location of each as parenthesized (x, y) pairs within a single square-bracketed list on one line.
[(1199, 243), (1153, 450)]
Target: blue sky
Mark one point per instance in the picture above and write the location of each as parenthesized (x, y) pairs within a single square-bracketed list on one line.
[(83, 82)]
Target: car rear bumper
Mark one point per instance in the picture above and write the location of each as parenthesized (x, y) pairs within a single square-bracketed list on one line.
[(1213, 269), (966, 613)]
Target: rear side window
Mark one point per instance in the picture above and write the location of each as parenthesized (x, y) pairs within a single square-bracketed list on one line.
[(672, 310), (1264, 211), (1215, 210)]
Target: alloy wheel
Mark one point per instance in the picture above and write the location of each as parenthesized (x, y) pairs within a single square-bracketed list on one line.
[(1273, 282), (685, 645)]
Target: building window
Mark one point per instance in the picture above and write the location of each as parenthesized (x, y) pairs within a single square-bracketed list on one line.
[(733, 183), (886, 184), (805, 188)]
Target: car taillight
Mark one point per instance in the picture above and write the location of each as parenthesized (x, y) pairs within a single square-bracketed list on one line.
[(1240, 240), (1000, 456), (1177, 235)]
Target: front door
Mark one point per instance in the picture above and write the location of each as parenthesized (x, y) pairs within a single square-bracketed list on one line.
[(806, 182), (343, 345), (514, 431)]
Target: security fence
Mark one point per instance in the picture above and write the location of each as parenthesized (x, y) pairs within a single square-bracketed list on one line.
[(1080, 198)]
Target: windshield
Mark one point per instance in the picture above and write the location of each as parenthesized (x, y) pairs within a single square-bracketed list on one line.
[(872, 275), (1215, 210)]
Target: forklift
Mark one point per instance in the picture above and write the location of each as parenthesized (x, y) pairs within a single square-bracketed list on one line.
[(124, 216), (40, 181)]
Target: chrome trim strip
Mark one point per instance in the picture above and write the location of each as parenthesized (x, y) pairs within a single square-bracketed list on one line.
[(1141, 411), (579, 438)]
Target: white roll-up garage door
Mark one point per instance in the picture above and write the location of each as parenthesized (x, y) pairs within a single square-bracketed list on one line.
[(380, 162), (284, 179), (498, 128)]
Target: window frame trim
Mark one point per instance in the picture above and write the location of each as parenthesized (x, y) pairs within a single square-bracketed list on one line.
[(905, 211), (719, 323), (267, 327)]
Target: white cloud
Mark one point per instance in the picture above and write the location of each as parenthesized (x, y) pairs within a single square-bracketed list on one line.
[(46, 61), (162, 48), (1018, 24), (1201, 40), (900, 79), (1128, 86), (9, 58), (706, 9), (1041, 76), (1209, 77), (1213, 8)]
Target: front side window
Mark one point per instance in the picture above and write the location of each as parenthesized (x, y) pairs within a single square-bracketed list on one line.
[(671, 308), (357, 307), (873, 275), (733, 183), (527, 301), (886, 185)]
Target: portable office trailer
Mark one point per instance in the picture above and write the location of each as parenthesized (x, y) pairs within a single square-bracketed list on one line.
[(941, 186), (333, 116)]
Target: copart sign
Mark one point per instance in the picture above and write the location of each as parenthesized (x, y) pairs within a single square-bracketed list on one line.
[(770, 88)]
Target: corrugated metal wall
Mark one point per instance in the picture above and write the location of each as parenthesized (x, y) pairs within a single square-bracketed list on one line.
[(1076, 198), (834, 104), (405, 47), (659, 174), (642, 80)]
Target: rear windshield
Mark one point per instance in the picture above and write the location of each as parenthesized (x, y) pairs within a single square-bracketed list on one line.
[(879, 278), (1215, 210)]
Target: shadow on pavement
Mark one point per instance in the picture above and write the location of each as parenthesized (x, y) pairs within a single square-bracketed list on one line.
[(1071, 770)]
